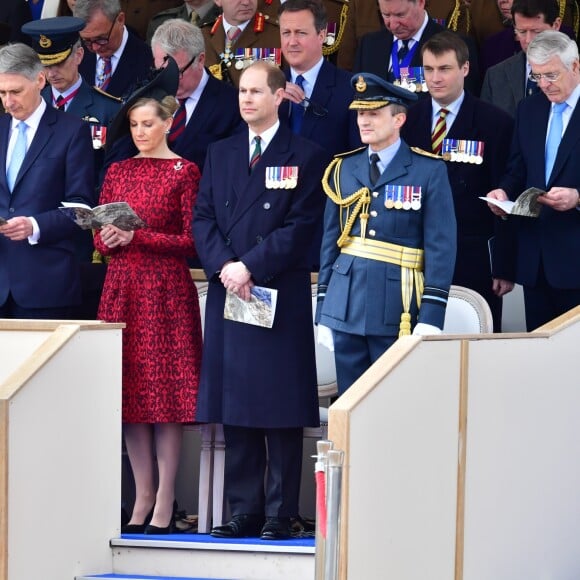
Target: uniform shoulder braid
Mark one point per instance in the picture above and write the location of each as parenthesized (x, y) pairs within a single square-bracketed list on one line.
[(108, 95), (425, 153), (349, 153)]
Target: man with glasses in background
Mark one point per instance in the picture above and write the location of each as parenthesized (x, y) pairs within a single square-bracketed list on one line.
[(116, 60), (544, 154), (507, 83), (209, 108), (317, 92)]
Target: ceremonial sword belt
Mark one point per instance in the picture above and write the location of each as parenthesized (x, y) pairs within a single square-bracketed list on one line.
[(410, 260)]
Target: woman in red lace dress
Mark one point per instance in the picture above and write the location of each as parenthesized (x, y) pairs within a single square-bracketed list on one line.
[(148, 286)]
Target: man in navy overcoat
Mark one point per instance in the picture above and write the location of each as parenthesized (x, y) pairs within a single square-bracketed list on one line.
[(257, 209)]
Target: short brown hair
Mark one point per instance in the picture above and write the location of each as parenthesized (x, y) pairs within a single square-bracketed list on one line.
[(274, 76), (447, 41)]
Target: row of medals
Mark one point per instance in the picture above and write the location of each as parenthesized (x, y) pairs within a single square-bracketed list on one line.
[(459, 157), (245, 59), (403, 197), (411, 85), (281, 177)]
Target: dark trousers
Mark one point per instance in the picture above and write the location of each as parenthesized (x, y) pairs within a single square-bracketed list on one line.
[(354, 354), (544, 303), (12, 310), (263, 470)]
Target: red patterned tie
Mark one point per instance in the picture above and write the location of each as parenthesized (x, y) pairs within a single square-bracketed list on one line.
[(179, 122), (105, 78), (257, 153), (439, 131), (232, 35)]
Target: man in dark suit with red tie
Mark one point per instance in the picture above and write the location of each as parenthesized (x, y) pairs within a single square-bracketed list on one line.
[(116, 60), (252, 226), (482, 262), (407, 27), (544, 154), (45, 159)]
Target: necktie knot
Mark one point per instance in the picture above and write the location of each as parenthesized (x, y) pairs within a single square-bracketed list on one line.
[(296, 109), (60, 103), (375, 172), (559, 108), (232, 35), (300, 81), (106, 73), (194, 17)]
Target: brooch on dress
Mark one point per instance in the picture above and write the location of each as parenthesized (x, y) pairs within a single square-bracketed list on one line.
[(178, 166)]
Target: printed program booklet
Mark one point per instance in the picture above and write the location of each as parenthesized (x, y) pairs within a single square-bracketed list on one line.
[(119, 214), (259, 311), (526, 204)]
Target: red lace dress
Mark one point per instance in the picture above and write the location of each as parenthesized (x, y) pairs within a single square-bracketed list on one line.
[(148, 286)]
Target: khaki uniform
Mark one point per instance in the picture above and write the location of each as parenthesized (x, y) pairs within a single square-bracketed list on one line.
[(182, 13), (259, 33), (138, 13), (363, 17)]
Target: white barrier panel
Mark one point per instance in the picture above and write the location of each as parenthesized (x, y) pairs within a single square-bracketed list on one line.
[(462, 459), (60, 443)]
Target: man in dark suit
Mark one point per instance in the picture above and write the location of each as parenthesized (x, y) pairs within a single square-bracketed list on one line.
[(389, 52), (252, 226), (507, 83), (210, 106), (45, 159), (544, 154), (238, 37), (388, 248), (317, 93), (473, 126), (116, 60)]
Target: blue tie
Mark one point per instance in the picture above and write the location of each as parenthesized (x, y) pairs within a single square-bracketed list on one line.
[(554, 137), (17, 155), (297, 110)]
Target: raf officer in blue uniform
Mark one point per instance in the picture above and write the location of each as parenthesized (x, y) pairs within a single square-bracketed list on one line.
[(389, 242)]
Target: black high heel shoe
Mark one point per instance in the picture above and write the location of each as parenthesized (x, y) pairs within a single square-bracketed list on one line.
[(154, 530), (138, 528)]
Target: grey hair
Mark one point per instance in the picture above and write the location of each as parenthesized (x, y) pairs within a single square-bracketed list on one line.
[(176, 34), (551, 43), (85, 9), (20, 59)]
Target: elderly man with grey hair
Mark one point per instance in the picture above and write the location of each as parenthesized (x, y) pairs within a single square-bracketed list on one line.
[(544, 154), (45, 158), (116, 60)]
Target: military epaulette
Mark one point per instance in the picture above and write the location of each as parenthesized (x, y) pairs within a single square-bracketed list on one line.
[(112, 97), (420, 151), (271, 20), (347, 153)]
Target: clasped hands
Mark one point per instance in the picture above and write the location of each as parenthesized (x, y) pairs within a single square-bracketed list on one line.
[(236, 278), (17, 229), (113, 237)]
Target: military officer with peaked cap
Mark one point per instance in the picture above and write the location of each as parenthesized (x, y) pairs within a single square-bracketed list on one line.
[(57, 43), (389, 241)]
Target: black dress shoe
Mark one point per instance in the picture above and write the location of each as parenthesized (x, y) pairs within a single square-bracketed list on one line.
[(133, 528), (154, 530), (241, 526), (276, 529)]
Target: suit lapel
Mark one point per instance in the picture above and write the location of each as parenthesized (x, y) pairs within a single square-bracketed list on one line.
[(397, 167), (567, 145), (4, 138), (321, 95)]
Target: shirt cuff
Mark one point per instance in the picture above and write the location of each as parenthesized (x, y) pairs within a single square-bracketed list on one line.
[(33, 239)]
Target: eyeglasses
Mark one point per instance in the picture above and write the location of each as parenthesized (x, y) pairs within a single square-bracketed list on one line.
[(550, 77), (316, 109), (188, 65), (100, 40)]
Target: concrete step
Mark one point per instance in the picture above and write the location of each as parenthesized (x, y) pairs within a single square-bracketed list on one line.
[(189, 556)]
